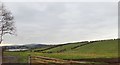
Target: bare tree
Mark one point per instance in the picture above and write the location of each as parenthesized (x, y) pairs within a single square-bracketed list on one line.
[(6, 22), (6, 26)]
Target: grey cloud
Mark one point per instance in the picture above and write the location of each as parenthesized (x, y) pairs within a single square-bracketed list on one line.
[(63, 22)]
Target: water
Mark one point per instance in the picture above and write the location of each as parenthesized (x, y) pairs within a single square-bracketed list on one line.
[(17, 49)]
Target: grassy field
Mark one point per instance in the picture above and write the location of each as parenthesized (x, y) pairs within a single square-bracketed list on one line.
[(103, 47), (22, 57), (99, 49), (60, 48), (107, 49)]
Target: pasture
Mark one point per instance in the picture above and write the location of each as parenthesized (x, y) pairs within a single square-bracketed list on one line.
[(103, 52)]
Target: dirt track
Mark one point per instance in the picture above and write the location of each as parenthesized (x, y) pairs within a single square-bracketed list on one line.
[(53, 61), (39, 60)]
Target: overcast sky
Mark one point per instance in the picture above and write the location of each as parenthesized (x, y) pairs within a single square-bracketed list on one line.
[(59, 0), (54, 23)]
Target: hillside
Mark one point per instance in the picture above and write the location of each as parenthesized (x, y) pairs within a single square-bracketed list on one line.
[(103, 46), (60, 48), (100, 51), (92, 49)]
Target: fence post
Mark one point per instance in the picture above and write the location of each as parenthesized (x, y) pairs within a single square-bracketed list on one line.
[(1, 55), (29, 60)]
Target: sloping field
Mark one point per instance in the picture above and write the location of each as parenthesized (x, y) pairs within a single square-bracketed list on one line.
[(61, 48), (93, 49), (107, 48), (102, 51)]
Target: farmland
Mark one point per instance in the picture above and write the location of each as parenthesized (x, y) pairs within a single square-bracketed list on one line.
[(103, 52)]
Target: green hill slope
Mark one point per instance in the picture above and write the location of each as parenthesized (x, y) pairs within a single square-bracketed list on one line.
[(93, 49), (108, 48), (103, 46), (61, 48)]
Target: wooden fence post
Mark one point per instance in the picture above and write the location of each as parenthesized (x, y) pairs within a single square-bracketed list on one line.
[(1, 55), (29, 60)]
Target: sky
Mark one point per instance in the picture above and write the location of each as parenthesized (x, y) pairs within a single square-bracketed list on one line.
[(62, 22), (59, 0)]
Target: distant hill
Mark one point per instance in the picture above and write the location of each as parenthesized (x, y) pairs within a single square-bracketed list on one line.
[(26, 46)]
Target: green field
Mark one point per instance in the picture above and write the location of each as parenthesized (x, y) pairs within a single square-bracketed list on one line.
[(22, 56), (60, 48), (75, 51), (100, 49)]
